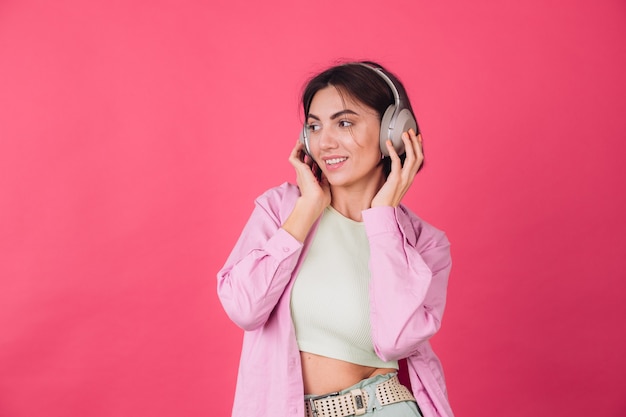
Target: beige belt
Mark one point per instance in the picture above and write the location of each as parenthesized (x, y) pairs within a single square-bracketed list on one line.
[(356, 401)]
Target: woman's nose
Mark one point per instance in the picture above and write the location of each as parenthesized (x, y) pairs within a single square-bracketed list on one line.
[(327, 139)]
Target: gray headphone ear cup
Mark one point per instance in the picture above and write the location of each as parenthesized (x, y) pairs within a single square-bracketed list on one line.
[(304, 139), (384, 130), (404, 121)]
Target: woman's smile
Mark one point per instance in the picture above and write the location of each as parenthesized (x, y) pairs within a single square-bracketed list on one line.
[(334, 162)]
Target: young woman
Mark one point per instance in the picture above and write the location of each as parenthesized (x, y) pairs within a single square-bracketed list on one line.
[(334, 280)]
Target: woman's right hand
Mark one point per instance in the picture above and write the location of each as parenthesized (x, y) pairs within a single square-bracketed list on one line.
[(314, 194), (314, 191)]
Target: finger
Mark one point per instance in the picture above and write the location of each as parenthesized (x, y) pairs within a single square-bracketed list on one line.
[(393, 155), (297, 153), (295, 150), (409, 146), (410, 158), (416, 141), (419, 142), (420, 149)]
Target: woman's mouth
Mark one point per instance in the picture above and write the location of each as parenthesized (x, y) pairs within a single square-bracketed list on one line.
[(334, 161)]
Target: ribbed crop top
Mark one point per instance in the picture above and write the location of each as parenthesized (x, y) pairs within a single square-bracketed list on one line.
[(330, 297)]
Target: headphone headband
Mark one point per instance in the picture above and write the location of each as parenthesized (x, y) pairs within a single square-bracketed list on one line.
[(390, 83)]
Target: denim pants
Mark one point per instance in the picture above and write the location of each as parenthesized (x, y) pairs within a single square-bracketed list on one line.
[(400, 409)]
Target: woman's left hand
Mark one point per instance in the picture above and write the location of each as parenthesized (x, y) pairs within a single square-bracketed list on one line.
[(401, 176)]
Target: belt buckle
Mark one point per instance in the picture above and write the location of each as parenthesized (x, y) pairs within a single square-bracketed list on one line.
[(359, 403), (319, 397)]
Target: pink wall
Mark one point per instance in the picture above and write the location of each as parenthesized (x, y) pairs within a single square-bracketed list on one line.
[(134, 137)]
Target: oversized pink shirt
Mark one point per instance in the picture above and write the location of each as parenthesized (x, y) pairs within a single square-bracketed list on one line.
[(409, 266)]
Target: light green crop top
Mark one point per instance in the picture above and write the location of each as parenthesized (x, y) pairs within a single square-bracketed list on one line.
[(330, 297)]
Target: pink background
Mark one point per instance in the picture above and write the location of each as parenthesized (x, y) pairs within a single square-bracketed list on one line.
[(134, 137)]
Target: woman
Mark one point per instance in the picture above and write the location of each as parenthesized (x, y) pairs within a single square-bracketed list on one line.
[(335, 281)]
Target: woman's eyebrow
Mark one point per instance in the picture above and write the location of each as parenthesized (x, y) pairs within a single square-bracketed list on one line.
[(336, 115)]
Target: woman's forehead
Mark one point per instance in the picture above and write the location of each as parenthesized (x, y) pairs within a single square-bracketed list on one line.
[(332, 99)]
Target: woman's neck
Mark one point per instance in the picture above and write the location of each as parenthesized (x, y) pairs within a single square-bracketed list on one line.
[(351, 201)]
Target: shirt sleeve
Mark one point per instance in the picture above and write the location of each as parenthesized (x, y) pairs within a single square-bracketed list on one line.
[(258, 268), (408, 281)]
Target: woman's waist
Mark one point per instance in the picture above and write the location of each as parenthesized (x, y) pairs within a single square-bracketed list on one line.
[(323, 374)]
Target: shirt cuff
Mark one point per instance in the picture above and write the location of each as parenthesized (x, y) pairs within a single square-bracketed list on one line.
[(379, 220), (282, 245)]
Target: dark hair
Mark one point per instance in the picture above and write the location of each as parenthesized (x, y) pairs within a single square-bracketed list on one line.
[(362, 84)]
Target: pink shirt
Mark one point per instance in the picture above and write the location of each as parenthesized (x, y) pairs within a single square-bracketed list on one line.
[(409, 265)]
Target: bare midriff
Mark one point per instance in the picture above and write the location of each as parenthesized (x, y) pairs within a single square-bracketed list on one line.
[(323, 375)]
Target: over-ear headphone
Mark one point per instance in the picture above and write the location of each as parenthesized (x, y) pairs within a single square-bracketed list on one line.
[(396, 119)]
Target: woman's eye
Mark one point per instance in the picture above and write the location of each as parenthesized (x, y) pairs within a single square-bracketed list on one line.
[(312, 127), (345, 123)]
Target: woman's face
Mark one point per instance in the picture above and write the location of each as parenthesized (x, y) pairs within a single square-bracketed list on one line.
[(344, 139)]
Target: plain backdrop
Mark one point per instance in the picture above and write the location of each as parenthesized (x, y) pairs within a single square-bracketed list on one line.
[(135, 135)]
